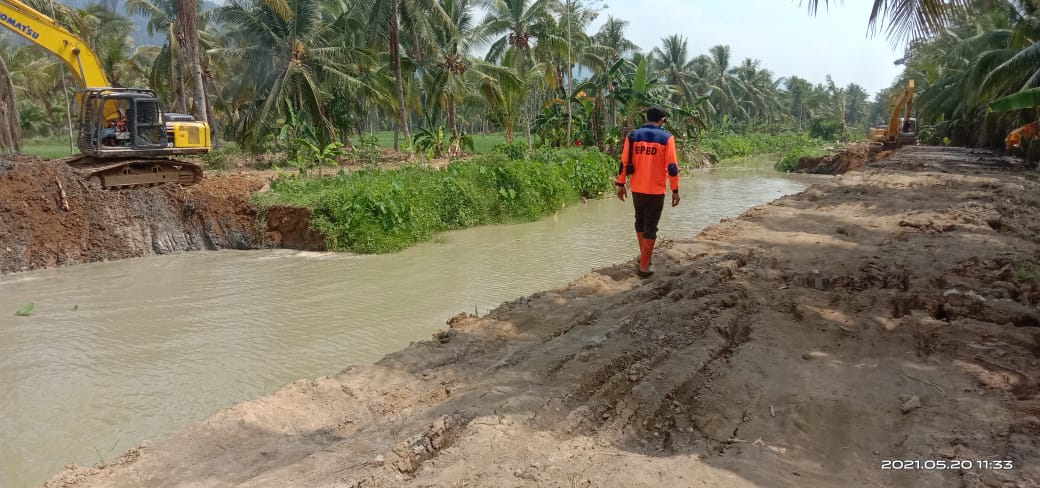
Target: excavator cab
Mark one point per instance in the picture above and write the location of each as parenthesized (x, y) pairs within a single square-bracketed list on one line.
[(121, 122), (908, 132)]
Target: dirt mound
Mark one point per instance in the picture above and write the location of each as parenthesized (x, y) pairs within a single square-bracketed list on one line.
[(850, 158), (49, 216), (290, 226), (865, 332)]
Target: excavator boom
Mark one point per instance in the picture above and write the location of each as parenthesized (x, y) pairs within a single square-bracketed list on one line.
[(900, 129), (46, 33)]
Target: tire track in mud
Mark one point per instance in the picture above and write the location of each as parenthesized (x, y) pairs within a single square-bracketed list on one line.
[(640, 393)]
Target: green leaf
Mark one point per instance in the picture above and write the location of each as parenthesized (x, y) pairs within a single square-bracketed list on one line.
[(1024, 99), (25, 310), (639, 82)]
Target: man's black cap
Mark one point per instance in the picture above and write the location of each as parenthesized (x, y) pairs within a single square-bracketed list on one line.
[(655, 113)]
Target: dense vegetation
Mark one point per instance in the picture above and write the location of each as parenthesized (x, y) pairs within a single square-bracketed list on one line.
[(294, 76), (986, 53), (975, 63), (376, 210)]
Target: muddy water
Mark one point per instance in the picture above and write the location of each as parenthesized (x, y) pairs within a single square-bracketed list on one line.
[(119, 352)]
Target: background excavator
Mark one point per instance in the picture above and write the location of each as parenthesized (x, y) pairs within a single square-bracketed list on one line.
[(900, 129), (124, 135)]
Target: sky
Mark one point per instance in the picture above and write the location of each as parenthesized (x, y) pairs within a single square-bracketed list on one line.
[(779, 33)]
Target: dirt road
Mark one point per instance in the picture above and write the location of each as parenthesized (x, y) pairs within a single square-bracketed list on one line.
[(884, 318)]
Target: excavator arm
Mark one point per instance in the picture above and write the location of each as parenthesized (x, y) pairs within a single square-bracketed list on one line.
[(895, 126), (900, 130), (48, 34)]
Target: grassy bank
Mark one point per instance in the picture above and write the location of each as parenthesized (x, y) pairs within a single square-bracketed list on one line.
[(47, 147), (789, 161), (731, 146), (375, 211), (789, 147)]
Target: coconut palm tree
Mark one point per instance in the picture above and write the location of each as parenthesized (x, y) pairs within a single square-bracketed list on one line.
[(10, 124), (388, 20), (612, 36), (108, 34), (857, 107), (38, 78), (168, 72), (565, 44), (839, 106), (671, 61), (972, 64), (910, 19), (456, 73), (714, 69), (514, 27), (799, 99), (284, 60), (757, 90), (188, 30)]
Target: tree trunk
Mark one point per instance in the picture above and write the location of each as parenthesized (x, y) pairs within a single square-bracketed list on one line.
[(211, 119), (567, 99), (10, 123), (395, 60), (452, 119), (188, 34), (177, 82)]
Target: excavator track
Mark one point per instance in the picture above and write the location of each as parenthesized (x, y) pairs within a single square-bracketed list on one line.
[(120, 173)]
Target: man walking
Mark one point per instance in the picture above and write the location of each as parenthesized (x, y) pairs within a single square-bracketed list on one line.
[(649, 159)]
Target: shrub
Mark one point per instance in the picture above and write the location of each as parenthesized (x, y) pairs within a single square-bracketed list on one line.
[(374, 210), (790, 161), (511, 150)]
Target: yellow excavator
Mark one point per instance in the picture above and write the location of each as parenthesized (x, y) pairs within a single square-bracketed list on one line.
[(124, 135), (900, 129)]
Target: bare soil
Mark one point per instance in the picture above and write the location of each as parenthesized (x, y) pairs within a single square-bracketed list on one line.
[(849, 158), (49, 216), (885, 314)]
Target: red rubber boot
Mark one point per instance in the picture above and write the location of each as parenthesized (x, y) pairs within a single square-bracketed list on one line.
[(646, 252)]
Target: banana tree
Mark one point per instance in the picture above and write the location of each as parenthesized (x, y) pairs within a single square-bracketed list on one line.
[(637, 93)]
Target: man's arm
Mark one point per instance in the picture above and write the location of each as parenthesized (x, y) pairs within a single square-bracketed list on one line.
[(626, 156), (673, 169)]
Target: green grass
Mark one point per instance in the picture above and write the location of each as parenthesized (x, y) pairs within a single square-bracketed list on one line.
[(791, 157), (377, 211), (47, 147), (730, 146), (482, 143)]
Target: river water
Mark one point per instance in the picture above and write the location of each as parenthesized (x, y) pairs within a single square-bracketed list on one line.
[(119, 352)]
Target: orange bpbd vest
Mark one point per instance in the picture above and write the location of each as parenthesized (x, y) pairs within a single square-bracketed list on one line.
[(651, 152)]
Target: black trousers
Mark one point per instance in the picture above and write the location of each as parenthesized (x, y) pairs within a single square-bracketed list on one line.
[(648, 213)]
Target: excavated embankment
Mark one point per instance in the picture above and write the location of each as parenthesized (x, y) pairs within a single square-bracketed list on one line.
[(49, 216), (877, 329)]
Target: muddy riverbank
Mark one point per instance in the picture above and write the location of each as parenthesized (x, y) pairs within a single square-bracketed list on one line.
[(49, 216), (886, 318)]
